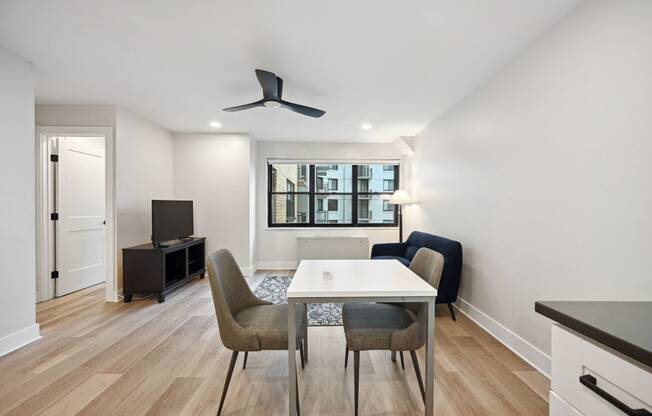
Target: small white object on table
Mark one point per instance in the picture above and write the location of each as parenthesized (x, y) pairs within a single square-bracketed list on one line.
[(359, 281)]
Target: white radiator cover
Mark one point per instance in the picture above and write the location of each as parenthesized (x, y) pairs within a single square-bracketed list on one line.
[(332, 248)]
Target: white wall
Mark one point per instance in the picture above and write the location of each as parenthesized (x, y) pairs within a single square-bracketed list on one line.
[(17, 206), (214, 170), (277, 247), (544, 175), (144, 165), (253, 219)]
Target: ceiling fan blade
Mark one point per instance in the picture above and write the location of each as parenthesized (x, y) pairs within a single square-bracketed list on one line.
[(302, 109), (245, 106), (269, 83), (279, 83)]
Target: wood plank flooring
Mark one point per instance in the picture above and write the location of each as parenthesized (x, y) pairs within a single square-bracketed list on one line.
[(145, 358)]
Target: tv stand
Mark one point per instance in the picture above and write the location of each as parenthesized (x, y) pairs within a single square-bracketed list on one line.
[(171, 243), (158, 270)]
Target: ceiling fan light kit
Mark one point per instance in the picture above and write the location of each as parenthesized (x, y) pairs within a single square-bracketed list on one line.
[(272, 104), (272, 92)]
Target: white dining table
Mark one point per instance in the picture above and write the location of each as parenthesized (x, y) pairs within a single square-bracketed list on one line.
[(326, 281)]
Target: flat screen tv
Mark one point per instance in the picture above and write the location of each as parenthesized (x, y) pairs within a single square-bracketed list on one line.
[(171, 220)]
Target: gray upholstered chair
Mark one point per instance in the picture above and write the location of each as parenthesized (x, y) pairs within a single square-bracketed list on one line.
[(391, 326), (247, 323)]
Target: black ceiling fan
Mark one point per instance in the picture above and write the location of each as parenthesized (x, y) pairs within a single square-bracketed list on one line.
[(272, 93)]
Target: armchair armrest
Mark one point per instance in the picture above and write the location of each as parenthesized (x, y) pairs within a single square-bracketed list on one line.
[(389, 249)]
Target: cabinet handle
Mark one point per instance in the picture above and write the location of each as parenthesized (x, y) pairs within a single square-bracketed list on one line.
[(591, 382)]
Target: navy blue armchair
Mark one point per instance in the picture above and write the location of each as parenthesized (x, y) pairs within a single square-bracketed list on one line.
[(449, 284)]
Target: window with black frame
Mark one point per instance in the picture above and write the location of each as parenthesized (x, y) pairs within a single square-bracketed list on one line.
[(289, 191), (335, 194), (375, 187), (331, 195)]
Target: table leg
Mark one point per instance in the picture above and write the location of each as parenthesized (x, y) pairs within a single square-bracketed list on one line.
[(430, 360), (305, 341), (292, 365)]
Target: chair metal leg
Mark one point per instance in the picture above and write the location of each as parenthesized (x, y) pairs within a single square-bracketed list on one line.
[(356, 378), (346, 356), (305, 339), (244, 363), (301, 354), (452, 311), (296, 381), (402, 362), (234, 357), (415, 363)]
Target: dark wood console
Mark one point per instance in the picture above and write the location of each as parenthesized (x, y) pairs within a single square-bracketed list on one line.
[(159, 270)]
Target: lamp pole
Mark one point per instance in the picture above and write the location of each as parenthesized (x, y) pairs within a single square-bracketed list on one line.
[(400, 198), (400, 223)]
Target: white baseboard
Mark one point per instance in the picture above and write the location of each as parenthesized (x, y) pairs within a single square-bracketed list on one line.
[(276, 265), (113, 296), (519, 346), (18, 339)]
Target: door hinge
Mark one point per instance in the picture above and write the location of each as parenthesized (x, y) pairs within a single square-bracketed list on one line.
[(54, 216), (54, 274), (54, 158)]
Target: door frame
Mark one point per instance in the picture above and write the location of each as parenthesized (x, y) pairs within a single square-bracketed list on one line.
[(44, 234)]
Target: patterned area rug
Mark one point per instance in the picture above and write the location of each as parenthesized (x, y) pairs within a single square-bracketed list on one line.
[(274, 289)]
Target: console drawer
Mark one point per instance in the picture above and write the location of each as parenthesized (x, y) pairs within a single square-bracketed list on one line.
[(560, 407), (574, 356)]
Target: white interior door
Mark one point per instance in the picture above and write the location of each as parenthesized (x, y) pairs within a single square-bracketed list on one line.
[(81, 207)]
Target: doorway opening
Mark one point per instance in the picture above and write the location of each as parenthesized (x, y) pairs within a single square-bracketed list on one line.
[(75, 227)]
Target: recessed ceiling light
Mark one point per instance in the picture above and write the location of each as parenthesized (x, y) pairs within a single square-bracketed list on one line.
[(366, 126), (215, 124)]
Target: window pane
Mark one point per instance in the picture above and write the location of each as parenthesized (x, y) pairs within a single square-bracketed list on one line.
[(333, 209), (375, 178), (333, 178), (375, 209), (290, 208), (285, 176)]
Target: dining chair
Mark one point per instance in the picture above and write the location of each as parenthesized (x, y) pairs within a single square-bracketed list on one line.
[(395, 327), (247, 323)]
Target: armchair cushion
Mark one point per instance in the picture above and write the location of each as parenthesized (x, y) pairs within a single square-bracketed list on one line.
[(403, 260), (411, 251)]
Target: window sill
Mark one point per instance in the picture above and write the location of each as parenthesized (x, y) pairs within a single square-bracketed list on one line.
[(380, 228)]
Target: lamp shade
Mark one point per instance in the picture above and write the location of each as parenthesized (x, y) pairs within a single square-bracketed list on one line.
[(400, 197)]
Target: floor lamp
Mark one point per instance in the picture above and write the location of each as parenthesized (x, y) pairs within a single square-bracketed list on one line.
[(400, 198)]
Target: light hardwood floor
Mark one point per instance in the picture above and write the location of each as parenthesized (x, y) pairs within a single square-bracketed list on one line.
[(146, 358)]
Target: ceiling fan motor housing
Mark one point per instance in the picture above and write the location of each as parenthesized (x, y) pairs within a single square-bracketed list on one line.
[(272, 104)]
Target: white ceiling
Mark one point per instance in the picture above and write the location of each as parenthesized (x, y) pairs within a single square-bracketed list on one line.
[(394, 64)]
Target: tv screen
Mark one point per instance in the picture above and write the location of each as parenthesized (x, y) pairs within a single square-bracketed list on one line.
[(171, 220)]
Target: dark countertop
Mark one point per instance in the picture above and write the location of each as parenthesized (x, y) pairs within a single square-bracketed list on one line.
[(623, 326)]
